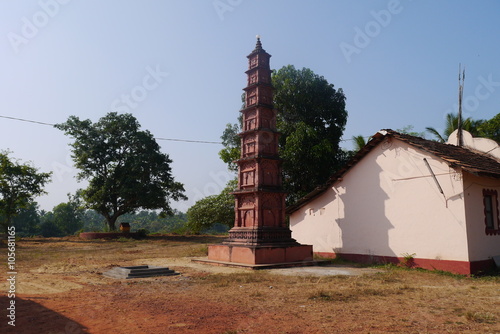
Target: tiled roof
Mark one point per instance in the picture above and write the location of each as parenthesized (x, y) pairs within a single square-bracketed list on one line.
[(473, 162)]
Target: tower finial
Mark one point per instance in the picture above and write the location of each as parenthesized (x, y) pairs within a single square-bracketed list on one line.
[(259, 44)]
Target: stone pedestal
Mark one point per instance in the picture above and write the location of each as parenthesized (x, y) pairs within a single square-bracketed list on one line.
[(260, 254)]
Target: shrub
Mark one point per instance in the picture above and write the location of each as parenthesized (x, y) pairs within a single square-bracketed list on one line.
[(142, 233)]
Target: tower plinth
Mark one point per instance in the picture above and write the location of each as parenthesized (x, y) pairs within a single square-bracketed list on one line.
[(260, 234)]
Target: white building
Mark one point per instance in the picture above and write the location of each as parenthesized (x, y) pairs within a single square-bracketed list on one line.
[(404, 196)]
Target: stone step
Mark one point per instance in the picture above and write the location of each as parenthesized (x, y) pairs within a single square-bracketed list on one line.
[(144, 273), (138, 272)]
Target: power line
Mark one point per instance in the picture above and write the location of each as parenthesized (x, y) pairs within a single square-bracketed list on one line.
[(348, 139), (168, 139), (26, 120), (190, 141), (158, 138)]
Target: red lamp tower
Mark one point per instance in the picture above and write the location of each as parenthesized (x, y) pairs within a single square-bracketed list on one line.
[(259, 235)]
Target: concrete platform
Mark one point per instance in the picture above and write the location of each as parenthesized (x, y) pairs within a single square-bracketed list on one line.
[(260, 254)]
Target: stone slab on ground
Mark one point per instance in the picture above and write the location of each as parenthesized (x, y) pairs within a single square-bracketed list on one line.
[(312, 268), (138, 272), (328, 270)]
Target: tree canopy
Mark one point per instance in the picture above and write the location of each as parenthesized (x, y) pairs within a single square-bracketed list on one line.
[(451, 125), (27, 221), (311, 119), (19, 185), (212, 210), (359, 142), (124, 166), (477, 128), (68, 217), (490, 128)]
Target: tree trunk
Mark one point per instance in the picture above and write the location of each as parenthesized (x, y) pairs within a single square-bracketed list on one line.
[(111, 223), (6, 224)]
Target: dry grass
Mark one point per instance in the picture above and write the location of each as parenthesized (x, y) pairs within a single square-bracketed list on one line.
[(395, 300)]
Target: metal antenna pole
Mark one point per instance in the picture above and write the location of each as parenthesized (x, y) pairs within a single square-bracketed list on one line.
[(461, 79)]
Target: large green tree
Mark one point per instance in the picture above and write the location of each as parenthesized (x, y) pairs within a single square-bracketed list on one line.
[(124, 166), (311, 119), (20, 183), (68, 217), (27, 221), (48, 227)]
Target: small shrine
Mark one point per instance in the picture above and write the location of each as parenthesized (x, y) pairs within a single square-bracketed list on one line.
[(260, 234)]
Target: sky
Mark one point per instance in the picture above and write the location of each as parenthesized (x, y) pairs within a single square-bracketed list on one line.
[(179, 67)]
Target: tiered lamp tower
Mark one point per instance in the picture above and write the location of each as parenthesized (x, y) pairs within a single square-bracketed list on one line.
[(260, 235)]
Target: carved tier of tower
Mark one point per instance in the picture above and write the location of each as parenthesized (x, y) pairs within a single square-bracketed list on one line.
[(260, 234)]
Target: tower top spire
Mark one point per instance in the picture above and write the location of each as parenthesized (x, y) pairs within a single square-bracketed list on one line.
[(258, 46), (258, 49)]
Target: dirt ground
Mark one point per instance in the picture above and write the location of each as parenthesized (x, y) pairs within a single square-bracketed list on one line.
[(60, 289)]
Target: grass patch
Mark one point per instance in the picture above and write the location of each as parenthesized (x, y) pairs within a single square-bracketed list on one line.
[(236, 279), (333, 296), (197, 251), (480, 317)]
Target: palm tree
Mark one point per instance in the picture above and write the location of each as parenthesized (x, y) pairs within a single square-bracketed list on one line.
[(452, 124), (359, 142)]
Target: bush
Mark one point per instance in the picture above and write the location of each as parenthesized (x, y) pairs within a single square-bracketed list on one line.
[(142, 233)]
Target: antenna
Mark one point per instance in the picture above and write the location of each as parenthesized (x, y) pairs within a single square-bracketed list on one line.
[(461, 79)]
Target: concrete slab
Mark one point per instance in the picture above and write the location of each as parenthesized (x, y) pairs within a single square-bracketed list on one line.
[(311, 269), (328, 270)]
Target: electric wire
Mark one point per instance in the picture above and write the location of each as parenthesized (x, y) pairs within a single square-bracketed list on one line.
[(157, 138)]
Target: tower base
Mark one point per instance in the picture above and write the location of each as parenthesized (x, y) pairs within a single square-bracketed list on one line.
[(257, 255)]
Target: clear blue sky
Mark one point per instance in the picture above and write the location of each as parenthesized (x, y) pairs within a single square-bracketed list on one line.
[(181, 63)]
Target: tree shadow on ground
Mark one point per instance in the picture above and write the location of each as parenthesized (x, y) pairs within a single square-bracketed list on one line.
[(34, 318)]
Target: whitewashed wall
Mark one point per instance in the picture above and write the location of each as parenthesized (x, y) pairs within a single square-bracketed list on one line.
[(388, 204)]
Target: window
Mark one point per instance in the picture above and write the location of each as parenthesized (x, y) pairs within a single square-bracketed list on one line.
[(491, 211)]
